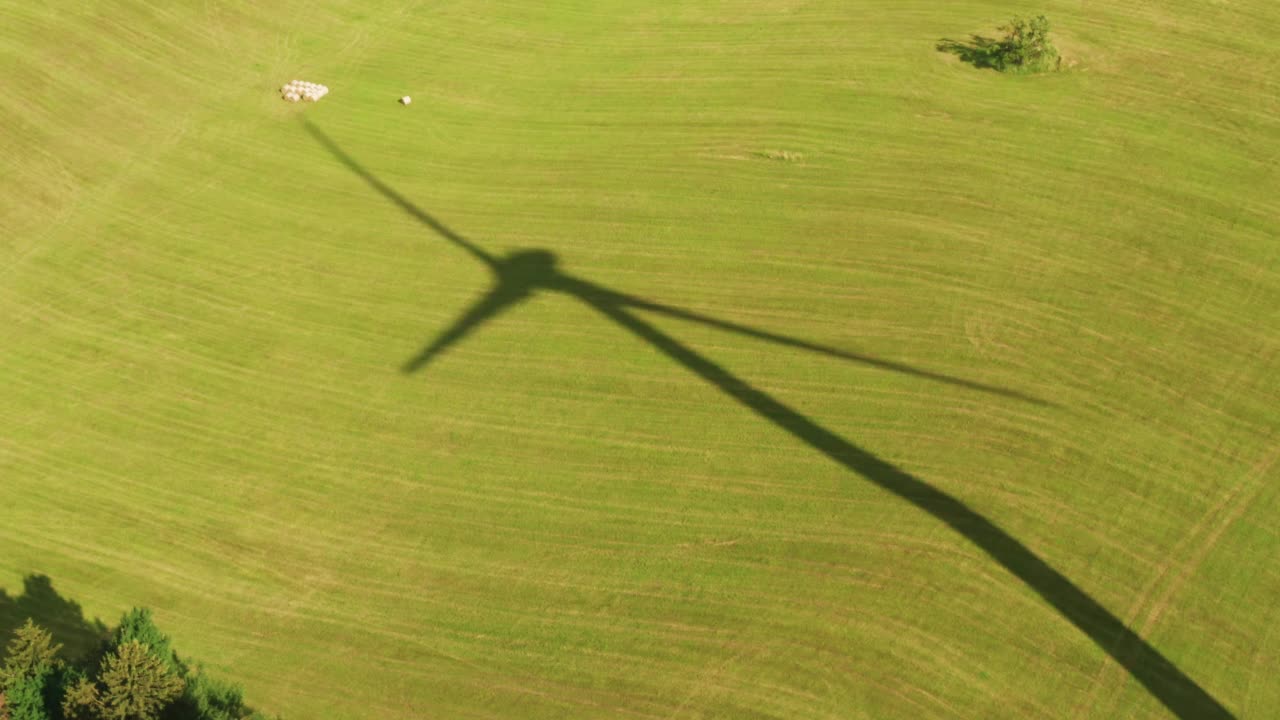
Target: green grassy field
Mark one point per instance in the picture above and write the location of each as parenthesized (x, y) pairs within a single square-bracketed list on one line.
[(1058, 300)]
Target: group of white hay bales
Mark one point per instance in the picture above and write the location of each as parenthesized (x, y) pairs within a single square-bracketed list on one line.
[(301, 90), (296, 90)]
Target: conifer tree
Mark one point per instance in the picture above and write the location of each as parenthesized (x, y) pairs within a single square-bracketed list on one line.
[(209, 699), (136, 685), (26, 698), (137, 625), (81, 701), (31, 653)]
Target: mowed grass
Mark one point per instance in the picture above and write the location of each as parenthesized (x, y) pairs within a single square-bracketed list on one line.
[(203, 315)]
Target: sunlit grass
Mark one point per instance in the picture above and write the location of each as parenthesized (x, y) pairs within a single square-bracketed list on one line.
[(205, 316)]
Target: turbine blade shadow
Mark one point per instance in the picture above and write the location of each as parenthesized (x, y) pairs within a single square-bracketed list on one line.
[(496, 301), (521, 274), (903, 368), (388, 192), (1164, 680)]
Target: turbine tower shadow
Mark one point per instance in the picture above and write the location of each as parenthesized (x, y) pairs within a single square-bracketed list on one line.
[(520, 275)]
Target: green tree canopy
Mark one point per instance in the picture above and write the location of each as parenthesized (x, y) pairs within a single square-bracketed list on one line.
[(208, 699), (139, 677), (136, 685), (81, 701), (1024, 48), (31, 653), (138, 626), (26, 698)]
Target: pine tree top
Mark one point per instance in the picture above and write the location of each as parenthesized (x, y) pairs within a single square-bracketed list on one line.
[(31, 653)]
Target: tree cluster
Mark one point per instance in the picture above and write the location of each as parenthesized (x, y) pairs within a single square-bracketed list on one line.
[(136, 675)]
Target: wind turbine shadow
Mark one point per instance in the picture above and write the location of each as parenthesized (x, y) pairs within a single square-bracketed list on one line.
[(517, 277), (520, 275)]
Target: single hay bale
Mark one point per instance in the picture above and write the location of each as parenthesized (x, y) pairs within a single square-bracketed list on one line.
[(406, 100)]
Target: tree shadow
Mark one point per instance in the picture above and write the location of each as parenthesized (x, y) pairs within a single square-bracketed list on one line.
[(520, 275), (978, 51), (80, 637)]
